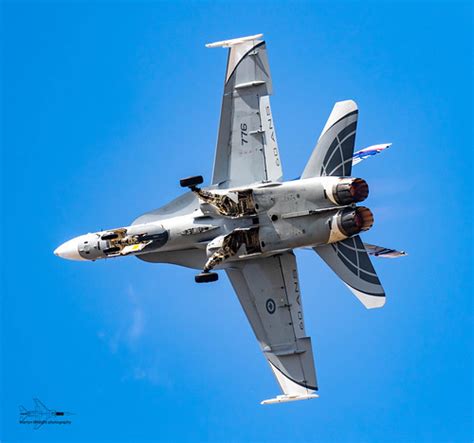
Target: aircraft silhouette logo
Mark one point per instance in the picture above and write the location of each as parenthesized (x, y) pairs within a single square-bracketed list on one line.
[(41, 415)]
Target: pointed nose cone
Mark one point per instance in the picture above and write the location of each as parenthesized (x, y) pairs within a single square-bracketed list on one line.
[(69, 250)]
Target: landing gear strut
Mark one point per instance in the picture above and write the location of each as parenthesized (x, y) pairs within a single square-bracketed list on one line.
[(240, 205), (229, 247)]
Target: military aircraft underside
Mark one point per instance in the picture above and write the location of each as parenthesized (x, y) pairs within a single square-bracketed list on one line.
[(248, 221)]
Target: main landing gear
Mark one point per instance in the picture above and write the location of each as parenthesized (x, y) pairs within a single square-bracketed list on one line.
[(241, 205), (206, 277), (228, 246), (191, 182)]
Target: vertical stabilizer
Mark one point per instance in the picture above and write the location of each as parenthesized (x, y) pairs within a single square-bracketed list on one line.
[(335, 148)]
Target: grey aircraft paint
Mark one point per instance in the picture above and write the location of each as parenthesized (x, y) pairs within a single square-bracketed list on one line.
[(248, 221)]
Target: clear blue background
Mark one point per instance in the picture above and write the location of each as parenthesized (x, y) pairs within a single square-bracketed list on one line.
[(106, 105)]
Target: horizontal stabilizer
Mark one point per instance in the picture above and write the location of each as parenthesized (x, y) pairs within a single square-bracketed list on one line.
[(350, 261), (287, 398), (380, 251), (369, 152)]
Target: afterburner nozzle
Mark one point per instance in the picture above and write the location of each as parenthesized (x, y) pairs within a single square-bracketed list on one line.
[(351, 190), (352, 221)]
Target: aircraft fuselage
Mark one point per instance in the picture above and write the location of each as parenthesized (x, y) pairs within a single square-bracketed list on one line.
[(252, 221)]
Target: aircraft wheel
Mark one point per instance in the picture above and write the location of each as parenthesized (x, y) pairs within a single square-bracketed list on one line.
[(191, 182), (206, 277)]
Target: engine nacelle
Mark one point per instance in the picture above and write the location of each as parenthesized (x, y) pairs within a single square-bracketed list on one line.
[(347, 191), (349, 222)]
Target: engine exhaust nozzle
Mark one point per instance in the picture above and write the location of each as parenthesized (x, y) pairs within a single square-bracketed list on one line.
[(352, 221), (352, 190)]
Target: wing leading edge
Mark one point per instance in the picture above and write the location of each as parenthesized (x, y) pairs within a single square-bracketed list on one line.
[(268, 290), (247, 149)]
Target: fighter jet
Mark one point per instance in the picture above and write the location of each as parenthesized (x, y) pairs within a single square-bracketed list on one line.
[(40, 414), (248, 220)]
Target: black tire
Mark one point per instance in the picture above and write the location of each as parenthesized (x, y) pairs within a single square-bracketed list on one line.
[(206, 277), (191, 182)]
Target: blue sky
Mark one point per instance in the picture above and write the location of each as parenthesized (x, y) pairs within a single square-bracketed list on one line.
[(106, 105)]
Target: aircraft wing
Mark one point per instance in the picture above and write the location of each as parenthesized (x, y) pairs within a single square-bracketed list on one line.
[(39, 406), (247, 149), (268, 291)]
